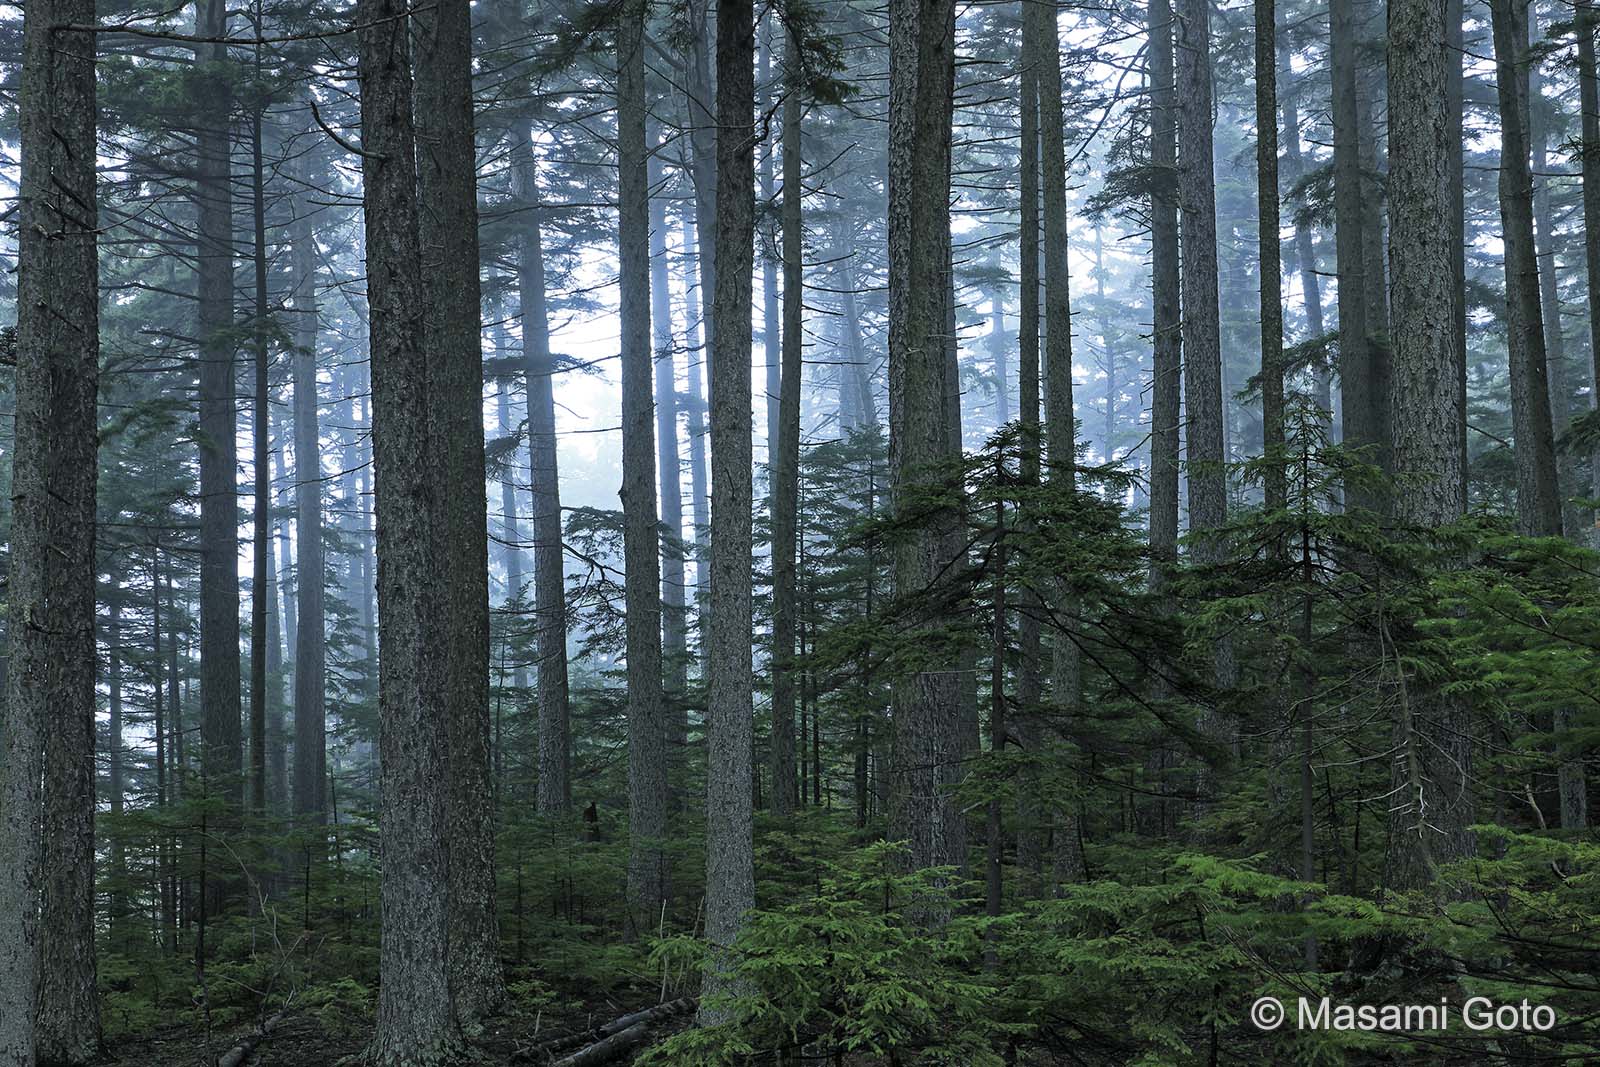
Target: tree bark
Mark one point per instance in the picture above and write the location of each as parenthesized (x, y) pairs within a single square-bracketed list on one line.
[(647, 767), (1270, 255), (48, 1001), (549, 571), (221, 762), (1202, 345), (416, 1025), (1030, 833), (1432, 809), (669, 464), (928, 738), (1357, 379), (1538, 499), (786, 456), (448, 235), (261, 524), (1589, 96), (310, 678), (730, 879)]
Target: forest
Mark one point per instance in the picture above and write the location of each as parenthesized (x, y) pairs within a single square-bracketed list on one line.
[(864, 533)]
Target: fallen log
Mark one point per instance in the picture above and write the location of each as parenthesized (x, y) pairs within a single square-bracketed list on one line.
[(602, 1051), (605, 1042), (238, 1054), (649, 1015)]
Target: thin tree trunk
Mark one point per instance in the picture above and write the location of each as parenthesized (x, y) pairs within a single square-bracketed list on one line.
[(549, 570), (261, 525), (1304, 252), (1357, 383), (48, 1001), (1030, 833), (310, 677), (1538, 500), (1274, 479), (669, 470), (1454, 94), (116, 785), (647, 766), (695, 406), (786, 455)]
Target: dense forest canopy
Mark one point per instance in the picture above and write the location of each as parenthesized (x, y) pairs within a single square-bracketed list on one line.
[(569, 531)]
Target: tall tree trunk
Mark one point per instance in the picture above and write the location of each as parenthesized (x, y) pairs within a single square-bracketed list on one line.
[(261, 523), (1454, 95), (1167, 339), (730, 878), (48, 1000), (669, 470), (786, 456), (699, 301), (997, 353), (1304, 252), (1065, 668), (647, 757), (448, 235), (221, 763), (166, 771), (771, 264), (116, 783), (310, 677), (549, 571), (1274, 479), (1202, 351), (1030, 832), (1549, 299), (1428, 822), (1538, 500), (928, 736), (1357, 381), (416, 1024)]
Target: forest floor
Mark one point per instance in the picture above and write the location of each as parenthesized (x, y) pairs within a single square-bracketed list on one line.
[(304, 1039)]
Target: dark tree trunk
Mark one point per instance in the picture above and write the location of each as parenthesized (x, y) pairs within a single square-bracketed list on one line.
[(1429, 818), (730, 879), (1274, 479), (928, 736), (221, 760), (48, 1001), (1538, 500), (448, 236), (1167, 341), (647, 758), (310, 678), (786, 455), (1357, 379), (416, 1025), (549, 571), (1202, 345), (1030, 833), (261, 523)]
